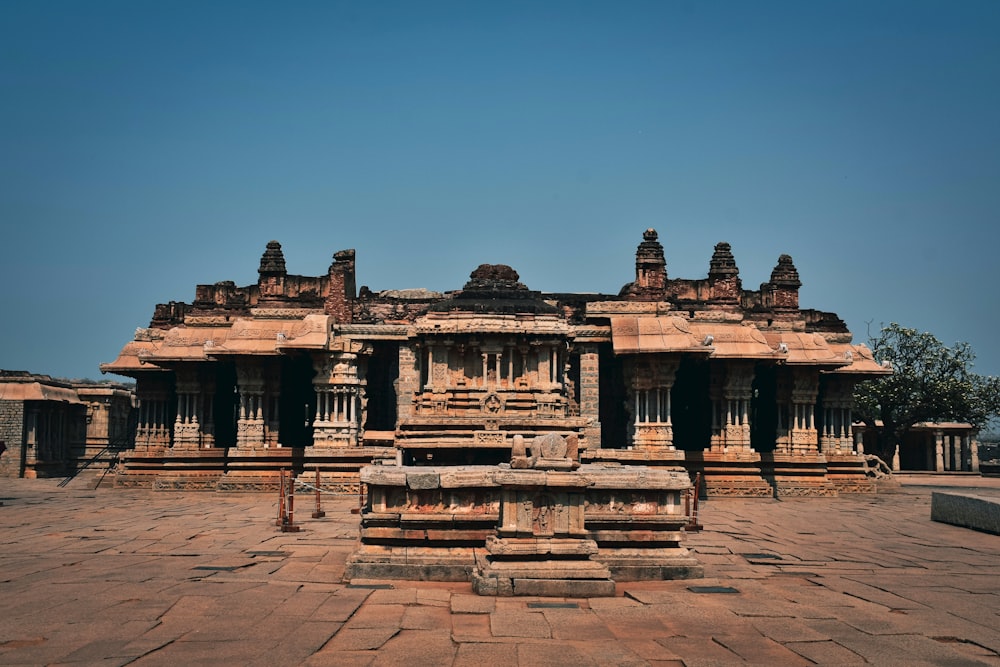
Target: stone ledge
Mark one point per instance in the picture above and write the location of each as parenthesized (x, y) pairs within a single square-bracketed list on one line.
[(968, 511)]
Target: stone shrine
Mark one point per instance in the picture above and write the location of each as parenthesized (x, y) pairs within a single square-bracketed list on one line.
[(541, 525)]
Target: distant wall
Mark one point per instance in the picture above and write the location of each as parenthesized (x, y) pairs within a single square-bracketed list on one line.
[(12, 434)]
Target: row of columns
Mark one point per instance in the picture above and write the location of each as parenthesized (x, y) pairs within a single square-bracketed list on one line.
[(954, 452), (182, 417), (730, 395), (837, 433)]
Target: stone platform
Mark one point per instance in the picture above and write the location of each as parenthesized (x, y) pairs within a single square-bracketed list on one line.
[(144, 578)]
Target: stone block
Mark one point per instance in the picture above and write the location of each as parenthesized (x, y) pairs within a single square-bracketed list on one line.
[(423, 480), (570, 588), (969, 511), (460, 478), (383, 476)]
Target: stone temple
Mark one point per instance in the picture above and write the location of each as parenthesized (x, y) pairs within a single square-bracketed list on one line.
[(310, 373)]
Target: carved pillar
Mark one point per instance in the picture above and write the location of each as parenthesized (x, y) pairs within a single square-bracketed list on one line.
[(735, 407), (835, 437), (187, 423), (270, 404), (207, 411), (31, 435), (650, 385), (337, 422), (805, 388), (974, 453), (250, 421), (716, 381), (408, 383), (438, 357), (590, 393), (154, 425), (786, 412)]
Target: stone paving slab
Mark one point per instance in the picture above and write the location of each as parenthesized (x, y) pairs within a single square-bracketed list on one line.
[(135, 577)]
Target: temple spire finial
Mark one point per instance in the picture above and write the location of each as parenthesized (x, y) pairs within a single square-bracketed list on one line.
[(273, 260)]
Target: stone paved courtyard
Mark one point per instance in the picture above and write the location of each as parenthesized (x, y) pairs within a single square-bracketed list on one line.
[(116, 577)]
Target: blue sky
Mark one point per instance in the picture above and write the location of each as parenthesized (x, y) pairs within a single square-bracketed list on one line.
[(146, 147)]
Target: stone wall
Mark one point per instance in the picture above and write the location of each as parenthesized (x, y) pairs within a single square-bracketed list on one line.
[(12, 434)]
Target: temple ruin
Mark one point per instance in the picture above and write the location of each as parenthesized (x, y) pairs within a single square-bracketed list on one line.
[(312, 373)]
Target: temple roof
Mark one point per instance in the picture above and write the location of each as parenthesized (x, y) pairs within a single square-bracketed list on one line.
[(36, 391), (245, 336), (799, 348), (638, 335), (860, 360), (734, 340)]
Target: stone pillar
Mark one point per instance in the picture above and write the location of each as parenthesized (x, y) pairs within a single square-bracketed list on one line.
[(836, 402), (938, 451), (805, 388), (32, 438), (250, 421), (590, 394), (154, 430), (408, 383), (786, 412), (270, 405), (338, 392), (737, 393), (543, 351), (651, 383), (187, 423), (438, 375), (716, 377), (207, 412), (974, 452)]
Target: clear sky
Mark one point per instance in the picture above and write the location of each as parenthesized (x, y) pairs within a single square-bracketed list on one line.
[(146, 147)]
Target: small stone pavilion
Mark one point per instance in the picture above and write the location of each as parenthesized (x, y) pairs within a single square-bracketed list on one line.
[(310, 372), (53, 428)]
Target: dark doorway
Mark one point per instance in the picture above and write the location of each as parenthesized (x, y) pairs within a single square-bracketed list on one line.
[(225, 404), (764, 409), (297, 405), (383, 373), (691, 410), (612, 411)]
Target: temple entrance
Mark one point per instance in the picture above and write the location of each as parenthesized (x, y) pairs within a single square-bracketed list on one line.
[(614, 419), (383, 372), (297, 403), (692, 408), (764, 409), (225, 404)]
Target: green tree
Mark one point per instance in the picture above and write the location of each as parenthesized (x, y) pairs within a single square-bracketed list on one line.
[(930, 383)]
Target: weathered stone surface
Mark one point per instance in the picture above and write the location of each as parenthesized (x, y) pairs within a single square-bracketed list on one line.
[(589, 519), (383, 476), (969, 511), (423, 480)]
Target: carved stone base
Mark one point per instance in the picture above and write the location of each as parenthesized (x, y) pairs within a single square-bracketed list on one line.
[(552, 578), (374, 561)]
